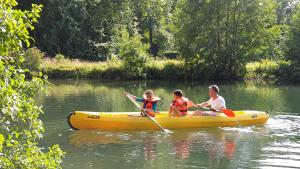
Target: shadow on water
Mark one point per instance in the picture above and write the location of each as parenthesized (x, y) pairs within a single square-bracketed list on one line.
[(275, 145)]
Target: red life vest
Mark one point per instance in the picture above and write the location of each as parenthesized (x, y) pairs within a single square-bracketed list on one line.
[(181, 104), (148, 104)]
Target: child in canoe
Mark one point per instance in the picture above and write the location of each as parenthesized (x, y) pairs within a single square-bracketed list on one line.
[(179, 106), (149, 101)]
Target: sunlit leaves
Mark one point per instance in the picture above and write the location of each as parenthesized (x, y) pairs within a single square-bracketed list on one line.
[(19, 115)]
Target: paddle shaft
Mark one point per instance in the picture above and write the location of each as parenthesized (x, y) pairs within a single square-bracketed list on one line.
[(227, 112), (151, 118)]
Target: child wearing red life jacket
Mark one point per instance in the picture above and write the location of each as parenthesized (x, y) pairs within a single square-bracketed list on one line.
[(179, 106), (149, 101)]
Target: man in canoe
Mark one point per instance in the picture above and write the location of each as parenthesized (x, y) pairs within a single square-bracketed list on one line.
[(216, 103), (179, 106), (149, 101)]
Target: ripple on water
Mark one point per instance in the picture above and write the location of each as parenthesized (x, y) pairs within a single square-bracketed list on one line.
[(284, 125), (284, 151)]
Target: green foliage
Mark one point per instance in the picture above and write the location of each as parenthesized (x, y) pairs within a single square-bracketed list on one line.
[(165, 69), (293, 41), (266, 69), (20, 126), (33, 58), (224, 35), (216, 38), (1, 142), (78, 28), (133, 52), (59, 57), (113, 69), (153, 22)]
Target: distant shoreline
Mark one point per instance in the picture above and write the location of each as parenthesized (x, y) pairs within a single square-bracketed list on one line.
[(165, 69)]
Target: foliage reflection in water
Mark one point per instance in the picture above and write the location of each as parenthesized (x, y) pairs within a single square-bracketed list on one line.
[(277, 144)]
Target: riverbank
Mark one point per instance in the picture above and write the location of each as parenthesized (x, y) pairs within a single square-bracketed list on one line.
[(112, 70), (166, 69)]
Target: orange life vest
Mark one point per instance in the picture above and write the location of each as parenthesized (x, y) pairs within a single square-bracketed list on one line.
[(181, 104), (148, 104)]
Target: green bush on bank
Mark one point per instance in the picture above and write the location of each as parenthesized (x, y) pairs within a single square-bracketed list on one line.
[(166, 69), (114, 69), (67, 68), (32, 60), (266, 69)]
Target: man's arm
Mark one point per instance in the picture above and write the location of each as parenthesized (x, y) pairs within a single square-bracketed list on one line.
[(204, 104)]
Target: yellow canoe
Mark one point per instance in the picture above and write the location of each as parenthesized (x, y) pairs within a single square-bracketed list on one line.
[(84, 120)]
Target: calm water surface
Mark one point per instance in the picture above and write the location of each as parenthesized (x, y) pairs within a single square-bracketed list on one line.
[(275, 145)]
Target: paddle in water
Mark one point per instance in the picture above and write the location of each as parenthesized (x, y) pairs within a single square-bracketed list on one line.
[(151, 118)]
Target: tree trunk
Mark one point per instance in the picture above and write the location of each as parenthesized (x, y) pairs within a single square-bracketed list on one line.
[(151, 40)]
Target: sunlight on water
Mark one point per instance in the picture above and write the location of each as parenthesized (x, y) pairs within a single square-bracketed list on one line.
[(274, 145)]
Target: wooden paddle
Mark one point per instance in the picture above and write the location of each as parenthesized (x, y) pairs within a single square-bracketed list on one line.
[(227, 112), (151, 118)]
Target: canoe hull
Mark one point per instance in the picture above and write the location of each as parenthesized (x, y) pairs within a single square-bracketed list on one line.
[(130, 121)]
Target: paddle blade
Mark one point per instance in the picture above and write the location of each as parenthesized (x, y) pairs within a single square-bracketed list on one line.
[(228, 113), (168, 131)]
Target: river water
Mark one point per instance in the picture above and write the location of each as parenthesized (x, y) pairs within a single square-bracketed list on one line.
[(274, 145)]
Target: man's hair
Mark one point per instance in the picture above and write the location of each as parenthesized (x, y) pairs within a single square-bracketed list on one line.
[(178, 93), (149, 92), (214, 88)]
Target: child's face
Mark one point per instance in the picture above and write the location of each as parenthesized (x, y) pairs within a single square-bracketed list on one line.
[(149, 96), (175, 97)]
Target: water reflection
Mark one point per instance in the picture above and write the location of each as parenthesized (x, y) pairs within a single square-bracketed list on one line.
[(248, 147), (216, 143), (276, 145)]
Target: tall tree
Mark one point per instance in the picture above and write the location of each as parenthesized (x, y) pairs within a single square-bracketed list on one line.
[(220, 36), (153, 17), (77, 28), (293, 41)]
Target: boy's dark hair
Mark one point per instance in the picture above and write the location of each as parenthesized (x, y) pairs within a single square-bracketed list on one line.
[(214, 88), (178, 93)]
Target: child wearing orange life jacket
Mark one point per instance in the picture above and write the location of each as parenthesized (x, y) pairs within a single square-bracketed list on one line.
[(150, 102), (179, 106)]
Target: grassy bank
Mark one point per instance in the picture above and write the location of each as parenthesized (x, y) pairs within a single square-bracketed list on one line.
[(154, 69), (114, 70), (266, 70)]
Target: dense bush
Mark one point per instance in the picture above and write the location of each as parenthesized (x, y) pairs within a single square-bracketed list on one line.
[(74, 68), (115, 70), (59, 57), (131, 49), (289, 72), (267, 69), (33, 59), (165, 69)]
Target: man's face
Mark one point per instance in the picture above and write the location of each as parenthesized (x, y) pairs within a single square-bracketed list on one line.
[(212, 93)]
